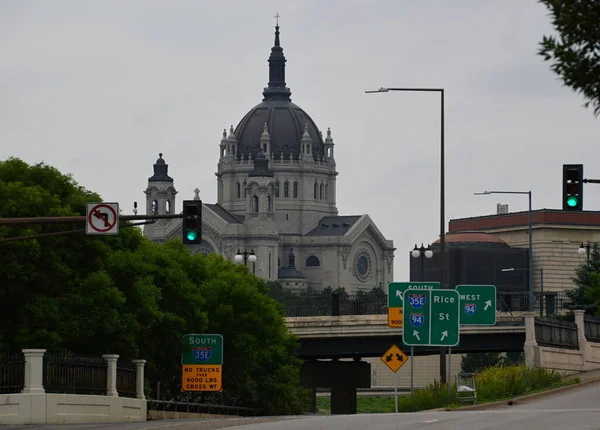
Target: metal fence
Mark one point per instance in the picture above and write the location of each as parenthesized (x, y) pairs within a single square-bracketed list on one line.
[(556, 333), (74, 374), (126, 378), (200, 408), (592, 328), (12, 372)]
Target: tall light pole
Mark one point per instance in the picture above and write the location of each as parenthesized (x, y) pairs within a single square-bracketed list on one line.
[(512, 269), (530, 299), (245, 257), (444, 274)]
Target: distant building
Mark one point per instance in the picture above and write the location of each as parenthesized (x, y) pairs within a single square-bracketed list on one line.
[(276, 196)]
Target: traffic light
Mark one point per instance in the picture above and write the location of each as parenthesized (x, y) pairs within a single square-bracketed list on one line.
[(192, 222), (572, 187)]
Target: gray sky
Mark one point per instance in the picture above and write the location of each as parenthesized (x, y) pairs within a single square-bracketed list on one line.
[(98, 89)]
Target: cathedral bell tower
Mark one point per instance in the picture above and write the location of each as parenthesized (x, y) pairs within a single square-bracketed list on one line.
[(160, 197)]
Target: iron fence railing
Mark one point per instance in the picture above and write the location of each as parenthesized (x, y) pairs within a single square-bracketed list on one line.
[(126, 378), (74, 374), (338, 304), (556, 333), (592, 328), (12, 372), (200, 408)]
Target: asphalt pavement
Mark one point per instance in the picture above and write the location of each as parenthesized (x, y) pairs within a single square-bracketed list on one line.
[(578, 409)]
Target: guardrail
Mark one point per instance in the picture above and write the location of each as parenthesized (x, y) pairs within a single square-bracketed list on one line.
[(200, 408), (556, 333)]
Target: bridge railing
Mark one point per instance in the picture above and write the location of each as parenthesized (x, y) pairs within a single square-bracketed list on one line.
[(556, 333), (592, 328), (365, 304)]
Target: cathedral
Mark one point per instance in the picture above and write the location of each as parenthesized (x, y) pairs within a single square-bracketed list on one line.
[(276, 201)]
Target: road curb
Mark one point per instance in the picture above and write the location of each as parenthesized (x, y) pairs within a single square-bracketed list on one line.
[(522, 399)]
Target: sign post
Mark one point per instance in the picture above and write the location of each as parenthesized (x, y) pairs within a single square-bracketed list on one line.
[(431, 317), (102, 218), (477, 304), (202, 362), (394, 358), (396, 299)]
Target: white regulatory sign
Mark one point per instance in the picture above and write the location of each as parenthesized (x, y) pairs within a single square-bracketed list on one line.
[(102, 218)]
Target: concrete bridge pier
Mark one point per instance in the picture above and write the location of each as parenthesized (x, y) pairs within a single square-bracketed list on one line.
[(342, 377)]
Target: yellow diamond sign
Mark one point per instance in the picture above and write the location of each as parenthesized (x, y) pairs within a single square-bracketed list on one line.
[(394, 358)]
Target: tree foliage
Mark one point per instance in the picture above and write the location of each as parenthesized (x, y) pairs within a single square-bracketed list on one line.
[(586, 295), (575, 50), (124, 294)]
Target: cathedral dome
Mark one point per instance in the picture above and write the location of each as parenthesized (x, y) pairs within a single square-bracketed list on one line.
[(285, 120)]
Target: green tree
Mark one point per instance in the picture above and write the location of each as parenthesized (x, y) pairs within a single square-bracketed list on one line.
[(585, 296), (575, 51)]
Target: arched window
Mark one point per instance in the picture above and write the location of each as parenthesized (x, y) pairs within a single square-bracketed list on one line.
[(255, 204), (326, 192), (316, 189), (312, 261), (269, 206), (321, 189), (238, 190), (295, 190), (286, 189), (277, 189), (168, 207), (245, 193), (154, 207)]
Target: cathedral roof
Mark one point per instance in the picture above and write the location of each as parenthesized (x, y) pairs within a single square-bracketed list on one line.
[(285, 120), (225, 214), (334, 225)]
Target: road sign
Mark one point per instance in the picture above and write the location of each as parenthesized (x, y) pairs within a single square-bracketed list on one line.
[(202, 362), (395, 298), (198, 377), (394, 358), (431, 317), (477, 304), (102, 218), (445, 318)]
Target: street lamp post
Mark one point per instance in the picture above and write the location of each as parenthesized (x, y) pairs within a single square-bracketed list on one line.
[(422, 253), (585, 249), (530, 307), (442, 199), (244, 257)]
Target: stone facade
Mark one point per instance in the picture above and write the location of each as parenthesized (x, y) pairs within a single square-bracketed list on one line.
[(276, 197)]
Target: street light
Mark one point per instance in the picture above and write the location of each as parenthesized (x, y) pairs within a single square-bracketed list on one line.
[(244, 257), (420, 253), (442, 198), (530, 239), (512, 269), (585, 249)]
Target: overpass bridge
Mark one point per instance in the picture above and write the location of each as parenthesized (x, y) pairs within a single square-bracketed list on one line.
[(362, 336)]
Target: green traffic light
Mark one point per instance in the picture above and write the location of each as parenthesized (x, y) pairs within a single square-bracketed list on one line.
[(192, 235), (572, 201)]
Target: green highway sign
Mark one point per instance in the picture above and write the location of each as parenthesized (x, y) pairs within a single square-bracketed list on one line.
[(431, 317), (202, 349), (477, 304), (417, 317), (395, 299), (445, 318), (397, 289)]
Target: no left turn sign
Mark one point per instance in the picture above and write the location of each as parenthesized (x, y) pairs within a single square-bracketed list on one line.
[(102, 218)]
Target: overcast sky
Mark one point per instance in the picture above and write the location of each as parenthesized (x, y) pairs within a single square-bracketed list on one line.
[(98, 89)]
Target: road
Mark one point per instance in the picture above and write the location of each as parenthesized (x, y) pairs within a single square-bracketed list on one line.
[(574, 410)]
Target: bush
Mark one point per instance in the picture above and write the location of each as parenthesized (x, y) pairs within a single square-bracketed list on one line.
[(497, 383)]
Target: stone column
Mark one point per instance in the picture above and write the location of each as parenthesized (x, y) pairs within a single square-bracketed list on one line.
[(579, 314), (139, 381), (34, 371), (530, 347), (111, 374)]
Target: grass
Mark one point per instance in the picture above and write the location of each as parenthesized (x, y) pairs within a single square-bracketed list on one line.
[(493, 384)]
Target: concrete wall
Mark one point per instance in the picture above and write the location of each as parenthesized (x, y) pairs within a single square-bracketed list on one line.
[(19, 409), (566, 361)]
